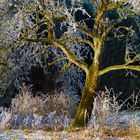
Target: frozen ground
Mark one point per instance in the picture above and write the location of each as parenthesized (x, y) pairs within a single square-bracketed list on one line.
[(42, 135), (65, 135)]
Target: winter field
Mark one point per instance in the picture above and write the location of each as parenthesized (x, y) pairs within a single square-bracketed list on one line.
[(69, 69)]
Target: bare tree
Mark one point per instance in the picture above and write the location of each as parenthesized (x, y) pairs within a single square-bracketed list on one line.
[(77, 38)]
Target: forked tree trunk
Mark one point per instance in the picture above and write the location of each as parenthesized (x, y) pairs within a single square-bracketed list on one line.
[(89, 92)]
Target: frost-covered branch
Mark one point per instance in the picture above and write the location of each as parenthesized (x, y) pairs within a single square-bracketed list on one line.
[(87, 32), (86, 41), (37, 40), (115, 5), (81, 40), (69, 55), (66, 51), (57, 60)]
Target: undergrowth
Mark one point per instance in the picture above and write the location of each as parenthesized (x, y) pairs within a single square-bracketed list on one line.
[(39, 112), (56, 111)]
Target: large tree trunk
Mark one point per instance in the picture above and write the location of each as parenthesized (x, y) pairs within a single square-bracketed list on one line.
[(89, 92), (85, 107)]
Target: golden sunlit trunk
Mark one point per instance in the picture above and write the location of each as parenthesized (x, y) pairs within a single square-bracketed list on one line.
[(85, 107), (89, 92)]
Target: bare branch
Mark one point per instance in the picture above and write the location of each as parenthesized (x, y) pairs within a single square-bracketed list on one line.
[(80, 40), (67, 52), (112, 26), (87, 32), (70, 56), (115, 5), (57, 60), (119, 67), (37, 25), (66, 66), (23, 21), (88, 42), (37, 40), (105, 6), (130, 61), (96, 3)]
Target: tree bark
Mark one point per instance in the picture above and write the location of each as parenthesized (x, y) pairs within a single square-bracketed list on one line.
[(89, 91), (85, 107)]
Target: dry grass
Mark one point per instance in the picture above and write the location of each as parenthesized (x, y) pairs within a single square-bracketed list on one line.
[(39, 112), (125, 134), (107, 121), (54, 113), (81, 134), (105, 111), (26, 104), (5, 119)]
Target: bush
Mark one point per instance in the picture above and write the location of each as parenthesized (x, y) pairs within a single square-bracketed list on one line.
[(43, 111), (107, 111), (57, 110)]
